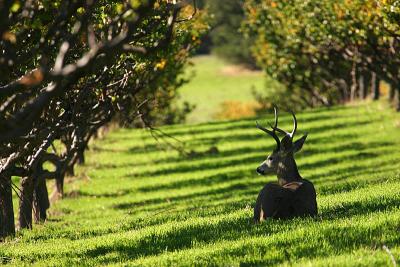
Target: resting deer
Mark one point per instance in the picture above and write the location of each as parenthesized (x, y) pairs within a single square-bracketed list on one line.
[(292, 195)]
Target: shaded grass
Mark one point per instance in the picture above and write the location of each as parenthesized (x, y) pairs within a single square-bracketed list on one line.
[(139, 203)]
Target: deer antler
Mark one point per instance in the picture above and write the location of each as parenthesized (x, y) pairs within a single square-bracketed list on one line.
[(272, 133), (294, 124), (287, 133)]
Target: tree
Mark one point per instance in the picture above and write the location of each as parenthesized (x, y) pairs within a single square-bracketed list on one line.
[(68, 68), (324, 52), (226, 37)]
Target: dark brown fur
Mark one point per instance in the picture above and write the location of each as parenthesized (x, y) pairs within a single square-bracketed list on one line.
[(275, 201)]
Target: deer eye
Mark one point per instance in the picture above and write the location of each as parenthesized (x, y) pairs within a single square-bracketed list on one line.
[(270, 159)]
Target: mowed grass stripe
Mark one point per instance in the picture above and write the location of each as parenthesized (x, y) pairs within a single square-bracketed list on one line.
[(138, 202)]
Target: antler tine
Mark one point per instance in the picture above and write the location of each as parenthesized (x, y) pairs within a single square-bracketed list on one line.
[(283, 131), (294, 124), (275, 127), (276, 117), (271, 133), (279, 130)]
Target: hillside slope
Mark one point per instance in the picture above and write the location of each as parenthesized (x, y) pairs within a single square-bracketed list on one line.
[(137, 204)]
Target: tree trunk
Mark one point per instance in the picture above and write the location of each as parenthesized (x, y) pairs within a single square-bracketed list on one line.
[(367, 84), (7, 224), (353, 88), (397, 99), (69, 169), (392, 92), (60, 185), (81, 151), (25, 202), (362, 85), (81, 156), (41, 200), (375, 86)]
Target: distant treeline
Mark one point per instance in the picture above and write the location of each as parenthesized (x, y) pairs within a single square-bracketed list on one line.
[(225, 37)]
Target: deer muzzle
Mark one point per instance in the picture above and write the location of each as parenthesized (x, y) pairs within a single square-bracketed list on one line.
[(262, 169)]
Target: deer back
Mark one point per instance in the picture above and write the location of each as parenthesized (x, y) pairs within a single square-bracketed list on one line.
[(275, 201)]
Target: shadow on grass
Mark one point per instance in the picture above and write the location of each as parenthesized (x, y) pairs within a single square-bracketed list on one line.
[(230, 125), (185, 236), (146, 148), (80, 193), (210, 194), (208, 180), (348, 210), (252, 156)]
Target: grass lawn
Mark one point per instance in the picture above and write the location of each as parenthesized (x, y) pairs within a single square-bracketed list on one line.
[(138, 205), (215, 81)]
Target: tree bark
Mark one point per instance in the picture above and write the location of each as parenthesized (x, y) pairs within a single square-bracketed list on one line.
[(69, 171), (25, 202), (375, 86), (7, 224), (41, 200), (353, 87), (397, 99), (362, 85), (81, 156), (392, 92), (60, 184)]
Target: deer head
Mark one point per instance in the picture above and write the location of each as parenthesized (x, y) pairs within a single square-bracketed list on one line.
[(281, 161)]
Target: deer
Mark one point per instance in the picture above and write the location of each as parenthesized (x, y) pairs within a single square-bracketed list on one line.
[(291, 196)]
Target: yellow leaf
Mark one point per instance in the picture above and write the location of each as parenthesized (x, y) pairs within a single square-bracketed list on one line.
[(32, 78), (9, 36)]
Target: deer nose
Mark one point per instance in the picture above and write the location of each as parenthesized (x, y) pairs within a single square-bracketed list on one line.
[(259, 170)]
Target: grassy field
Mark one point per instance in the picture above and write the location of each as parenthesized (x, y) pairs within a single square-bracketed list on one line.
[(213, 81), (138, 203)]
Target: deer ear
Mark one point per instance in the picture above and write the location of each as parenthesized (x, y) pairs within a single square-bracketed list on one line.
[(286, 144), (299, 143)]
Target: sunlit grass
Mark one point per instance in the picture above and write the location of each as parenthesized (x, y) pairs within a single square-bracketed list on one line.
[(215, 83), (139, 203)]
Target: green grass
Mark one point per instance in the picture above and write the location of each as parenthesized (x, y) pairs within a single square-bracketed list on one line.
[(213, 81), (135, 204)]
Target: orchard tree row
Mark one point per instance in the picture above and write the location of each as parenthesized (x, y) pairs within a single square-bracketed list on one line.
[(326, 52), (67, 68)]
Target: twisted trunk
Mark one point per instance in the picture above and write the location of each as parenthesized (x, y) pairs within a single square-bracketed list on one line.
[(25, 202), (41, 200), (7, 224)]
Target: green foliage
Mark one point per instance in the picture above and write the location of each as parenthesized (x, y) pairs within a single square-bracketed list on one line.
[(226, 38), (133, 204), (34, 41), (322, 48), (70, 67)]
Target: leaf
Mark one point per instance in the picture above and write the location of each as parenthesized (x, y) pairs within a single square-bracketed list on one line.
[(32, 78), (9, 36), (15, 7)]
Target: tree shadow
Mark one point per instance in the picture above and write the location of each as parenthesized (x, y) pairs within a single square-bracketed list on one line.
[(233, 126), (233, 228), (253, 156), (80, 193), (347, 210), (208, 180), (214, 192)]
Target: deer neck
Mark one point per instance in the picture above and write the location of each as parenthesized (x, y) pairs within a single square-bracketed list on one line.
[(287, 171)]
